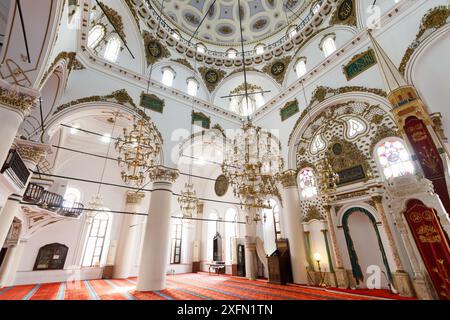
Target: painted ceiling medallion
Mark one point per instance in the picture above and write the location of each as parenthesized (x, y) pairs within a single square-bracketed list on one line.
[(263, 18), (212, 77)]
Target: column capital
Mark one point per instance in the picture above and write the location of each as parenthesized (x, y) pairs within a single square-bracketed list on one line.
[(31, 151), (16, 97), (288, 178), (134, 197), (164, 174)]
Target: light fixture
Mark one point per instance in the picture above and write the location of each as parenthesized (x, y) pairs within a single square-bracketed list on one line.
[(317, 257), (139, 148)]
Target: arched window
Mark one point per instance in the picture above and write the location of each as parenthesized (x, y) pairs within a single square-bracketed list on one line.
[(71, 196), (201, 48), (96, 34), (259, 100), (175, 248), (292, 32), (112, 49), (96, 241), (168, 76), (260, 48), (231, 53), (355, 127), (328, 46), (230, 232), (192, 87), (307, 183), (394, 159), (300, 68), (211, 232)]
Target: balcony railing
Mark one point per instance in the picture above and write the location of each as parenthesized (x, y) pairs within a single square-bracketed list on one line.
[(37, 195), (16, 169)]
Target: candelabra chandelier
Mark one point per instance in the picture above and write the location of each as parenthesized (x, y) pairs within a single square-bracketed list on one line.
[(188, 201), (139, 148), (250, 165)]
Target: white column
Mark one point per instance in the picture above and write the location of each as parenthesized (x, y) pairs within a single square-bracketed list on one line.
[(187, 243), (155, 250), (11, 209), (128, 236), (292, 218), (15, 102), (251, 268), (11, 264)]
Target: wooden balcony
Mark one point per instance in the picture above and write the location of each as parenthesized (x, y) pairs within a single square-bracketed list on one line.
[(37, 195)]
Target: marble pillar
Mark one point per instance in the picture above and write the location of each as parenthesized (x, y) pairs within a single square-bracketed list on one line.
[(128, 236), (156, 247), (401, 279), (292, 219), (11, 264), (251, 266)]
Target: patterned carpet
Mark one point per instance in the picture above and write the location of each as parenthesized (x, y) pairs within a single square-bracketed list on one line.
[(199, 286)]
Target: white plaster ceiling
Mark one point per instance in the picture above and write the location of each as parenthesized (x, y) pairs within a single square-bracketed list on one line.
[(261, 18)]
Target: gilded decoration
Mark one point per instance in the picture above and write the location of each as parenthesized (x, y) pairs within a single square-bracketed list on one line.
[(349, 156), (134, 197), (17, 100), (31, 153), (241, 88), (154, 50), (115, 19), (435, 18), (313, 214), (221, 185), (184, 62), (163, 174), (212, 77), (322, 93), (133, 12), (218, 127), (71, 64), (288, 178), (345, 14), (277, 69)]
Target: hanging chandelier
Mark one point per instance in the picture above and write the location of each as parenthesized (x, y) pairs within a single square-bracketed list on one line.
[(188, 202), (251, 164), (139, 148)]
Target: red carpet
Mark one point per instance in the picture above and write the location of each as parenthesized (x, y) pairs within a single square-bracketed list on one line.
[(198, 286)]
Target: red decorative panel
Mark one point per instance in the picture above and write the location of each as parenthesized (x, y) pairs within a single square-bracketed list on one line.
[(432, 243)]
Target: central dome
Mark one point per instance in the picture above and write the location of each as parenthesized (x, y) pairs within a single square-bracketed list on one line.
[(261, 18)]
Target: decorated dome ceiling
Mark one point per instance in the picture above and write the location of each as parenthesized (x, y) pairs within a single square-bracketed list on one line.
[(261, 18)]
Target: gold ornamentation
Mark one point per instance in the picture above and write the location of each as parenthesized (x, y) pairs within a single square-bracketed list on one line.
[(184, 62), (71, 63), (277, 69), (133, 12), (322, 93), (345, 14), (17, 100), (312, 214), (31, 153), (288, 178), (163, 174), (212, 77), (134, 197), (250, 88), (359, 63), (154, 50), (435, 18), (428, 234), (114, 18)]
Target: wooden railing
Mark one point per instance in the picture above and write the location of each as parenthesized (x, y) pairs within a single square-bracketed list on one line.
[(16, 169), (37, 195)]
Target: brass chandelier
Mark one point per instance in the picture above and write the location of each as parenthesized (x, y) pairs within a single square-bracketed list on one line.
[(139, 148), (251, 164)]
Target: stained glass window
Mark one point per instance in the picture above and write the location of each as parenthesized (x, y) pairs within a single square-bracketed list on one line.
[(394, 159), (307, 183)]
